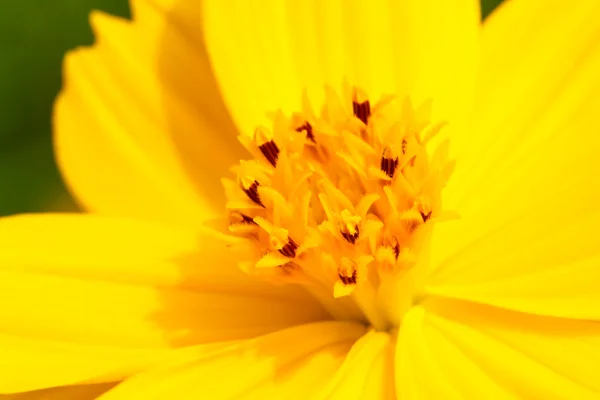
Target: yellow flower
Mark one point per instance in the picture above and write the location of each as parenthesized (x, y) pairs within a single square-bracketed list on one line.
[(357, 261)]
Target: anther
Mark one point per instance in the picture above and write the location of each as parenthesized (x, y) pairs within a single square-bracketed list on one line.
[(362, 110), (348, 280), (424, 208), (351, 237), (349, 226), (250, 187), (389, 163), (347, 271), (289, 250), (389, 240), (237, 217), (308, 129), (267, 146), (270, 151), (425, 215), (404, 146)]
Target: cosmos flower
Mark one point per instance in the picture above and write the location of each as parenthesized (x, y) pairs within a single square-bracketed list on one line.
[(412, 214)]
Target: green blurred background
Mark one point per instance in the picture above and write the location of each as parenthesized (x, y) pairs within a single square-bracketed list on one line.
[(34, 35)]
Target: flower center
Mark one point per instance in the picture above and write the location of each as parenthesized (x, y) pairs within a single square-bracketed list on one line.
[(342, 202)]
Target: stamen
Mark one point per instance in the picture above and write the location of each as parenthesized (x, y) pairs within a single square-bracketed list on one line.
[(362, 110), (308, 129), (396, 249), (267, 146), (390, 241), (237, 217), (352, 201), (348, 280), (424, 208), (279, 237), (351, 237), (426, 216), (289, 250), (347, 272), (270, 151), (250, 187), (389, 163), (349, 226)]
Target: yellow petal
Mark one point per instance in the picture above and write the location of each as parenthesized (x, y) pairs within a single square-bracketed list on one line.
[(429, 366), (526, 180), (569, 290), (76, 392), (293, 363), (95, 298), (528, 356), (367, 372), (266, 52), (140, 128)]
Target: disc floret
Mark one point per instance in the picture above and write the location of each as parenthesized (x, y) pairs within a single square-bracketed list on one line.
[(336, 201)]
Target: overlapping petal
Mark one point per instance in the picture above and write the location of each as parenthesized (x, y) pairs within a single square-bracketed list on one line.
[(366, 372), (93, 299), (140, 127), (75, 392), (526, 183), (265, 53), (292, 363), (457, 350)]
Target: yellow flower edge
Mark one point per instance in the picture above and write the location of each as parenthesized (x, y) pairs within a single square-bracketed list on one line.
[(141, 292)]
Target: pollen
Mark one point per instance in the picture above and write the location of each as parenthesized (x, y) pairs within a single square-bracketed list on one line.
[(339, 200)]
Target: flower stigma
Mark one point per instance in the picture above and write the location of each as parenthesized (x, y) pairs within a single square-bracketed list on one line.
[(342, 203)]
